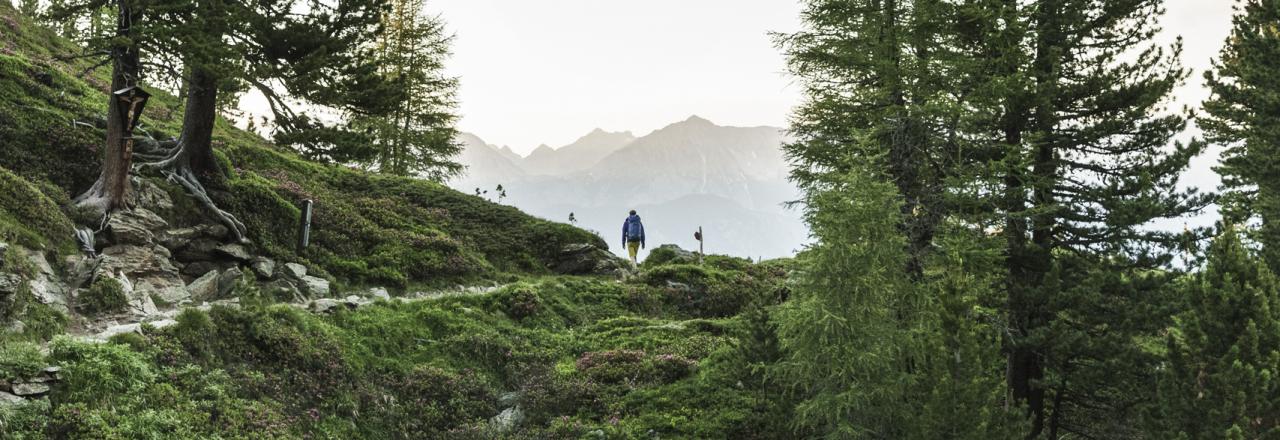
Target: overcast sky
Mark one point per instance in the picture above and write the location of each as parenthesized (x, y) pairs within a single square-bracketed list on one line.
[(549, 71)]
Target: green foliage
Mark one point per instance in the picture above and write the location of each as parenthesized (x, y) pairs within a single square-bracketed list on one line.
[(1243, 115), (1224, 352), (30, 218), (20, 360), (105, 295)]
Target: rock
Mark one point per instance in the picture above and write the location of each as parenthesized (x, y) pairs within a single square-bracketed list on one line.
[(198, 250), (162, 323), (146, 194), (507, 420), (9, 283), (380, 293), (587, 259), (314, 286), (134, 226), (674, 254), (205, 288), (45, 284), (7, 399), (295, 270), (16, 327), (219, 232), (166, 288), (234, 251), (175, 239), (325, 305), (263, 267), (136, 261), (284, 290), (4, 249), (118, 330), (30, 388), (199, 268), (227, 281)]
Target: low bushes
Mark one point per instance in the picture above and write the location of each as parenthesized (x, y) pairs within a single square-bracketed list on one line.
[(105, 295)]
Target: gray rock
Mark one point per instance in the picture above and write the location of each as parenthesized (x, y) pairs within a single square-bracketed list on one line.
[(507, 421), (16, 327), (199, 268), (118, 330), (219, 232), (162, 323), (509, 399), (234, 251), (263, 267), (175, 239), (30, 388), (380, 293), (4, 249), (227, 281), (9, 283), (587, 259), (134, 226), (46, 285), (204, 288), (315, 287), (148, 195), (295, 270), (7, 399), (284, 290), (325, 305)]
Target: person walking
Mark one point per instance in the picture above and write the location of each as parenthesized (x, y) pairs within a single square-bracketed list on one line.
[(633, 235)]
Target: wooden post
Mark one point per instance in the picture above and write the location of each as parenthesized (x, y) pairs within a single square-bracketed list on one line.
[(304, 228), (701, 252)]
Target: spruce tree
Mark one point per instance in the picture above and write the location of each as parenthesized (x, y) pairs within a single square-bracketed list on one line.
[(1243, 115), (1220, 380)]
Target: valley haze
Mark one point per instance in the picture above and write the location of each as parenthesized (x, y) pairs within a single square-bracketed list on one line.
[(731, 181)]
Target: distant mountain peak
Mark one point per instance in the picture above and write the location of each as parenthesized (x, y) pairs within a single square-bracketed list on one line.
[(695, 119)]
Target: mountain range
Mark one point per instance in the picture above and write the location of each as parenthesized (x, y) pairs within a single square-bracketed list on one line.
[(731, 181)]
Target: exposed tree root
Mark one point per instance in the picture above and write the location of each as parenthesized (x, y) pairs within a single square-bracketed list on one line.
[(170, 159)]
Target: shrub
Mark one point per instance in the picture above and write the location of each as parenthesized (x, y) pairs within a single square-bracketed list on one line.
[(103, 296), (634, 366), (97, 372), (20, 359), (520, 302)]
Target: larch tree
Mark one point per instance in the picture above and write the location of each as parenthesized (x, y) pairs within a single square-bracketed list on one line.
[(1243, 115), (417, 136), (1224, 352)]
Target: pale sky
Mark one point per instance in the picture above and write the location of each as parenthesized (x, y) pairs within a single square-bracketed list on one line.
[(549, 71)]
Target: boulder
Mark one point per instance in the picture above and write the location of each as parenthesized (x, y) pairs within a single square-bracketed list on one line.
[(175, 239), (295, 270), (134, 226), (380, 293), (45, 284), (7, 399), (118, 330), (263, 267), (315, 286), (227, 281), (219, 232), (206, 287), (234, 251), (507, 421), (4, 250), (670, 253), (30, 388), (151, 272), (9, 283), (326, 305), (587, 259)]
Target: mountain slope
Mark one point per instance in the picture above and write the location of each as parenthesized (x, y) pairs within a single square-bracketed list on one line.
[(581, 155)]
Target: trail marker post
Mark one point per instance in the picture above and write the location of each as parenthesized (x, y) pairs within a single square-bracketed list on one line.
[(304, 227), (698, 236)]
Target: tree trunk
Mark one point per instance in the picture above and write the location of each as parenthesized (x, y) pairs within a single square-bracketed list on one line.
[(110, 192), (195, 144)]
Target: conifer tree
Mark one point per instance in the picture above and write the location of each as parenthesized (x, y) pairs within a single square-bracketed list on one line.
[(876, 75), (1224, 352), (417, 135), (1243, 115), (872, 354)]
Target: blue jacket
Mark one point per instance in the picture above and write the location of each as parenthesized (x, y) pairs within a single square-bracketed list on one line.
[(632, 230)]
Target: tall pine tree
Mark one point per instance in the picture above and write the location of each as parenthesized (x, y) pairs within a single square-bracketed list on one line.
[(1221, 380), (1243, 115)]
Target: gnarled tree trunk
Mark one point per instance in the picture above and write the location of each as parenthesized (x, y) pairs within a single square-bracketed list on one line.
[(111, 190)]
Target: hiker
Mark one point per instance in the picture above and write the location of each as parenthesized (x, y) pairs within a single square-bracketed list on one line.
[(633, 235)]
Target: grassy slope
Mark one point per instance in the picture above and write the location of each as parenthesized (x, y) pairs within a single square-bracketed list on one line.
[(632, 359), (367, 228)]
